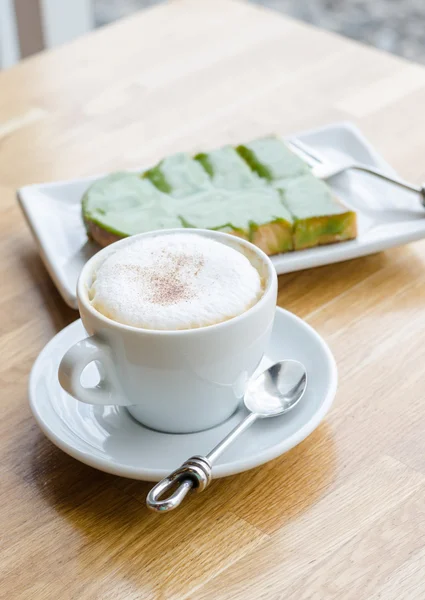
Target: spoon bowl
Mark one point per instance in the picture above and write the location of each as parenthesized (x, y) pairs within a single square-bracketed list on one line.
[(277, 390)]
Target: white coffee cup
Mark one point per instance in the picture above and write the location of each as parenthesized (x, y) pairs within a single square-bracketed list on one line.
[(175, 381)]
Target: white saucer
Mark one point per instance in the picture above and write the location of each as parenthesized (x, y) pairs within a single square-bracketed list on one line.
[(109, 439)]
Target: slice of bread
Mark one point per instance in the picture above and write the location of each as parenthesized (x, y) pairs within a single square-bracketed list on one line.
[(261, 192), (319, 217)]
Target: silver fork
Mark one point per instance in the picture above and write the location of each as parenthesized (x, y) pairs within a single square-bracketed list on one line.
[(324, 169)]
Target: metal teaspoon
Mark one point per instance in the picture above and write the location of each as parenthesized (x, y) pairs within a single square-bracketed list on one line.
[(275, 392)]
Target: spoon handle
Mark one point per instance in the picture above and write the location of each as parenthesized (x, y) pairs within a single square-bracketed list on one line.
[(194, 474), (230, 437)]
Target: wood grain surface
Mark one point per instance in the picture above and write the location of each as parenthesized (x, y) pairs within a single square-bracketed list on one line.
[(342, 515)]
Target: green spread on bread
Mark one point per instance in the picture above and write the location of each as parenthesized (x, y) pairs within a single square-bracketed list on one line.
[(260, 191)]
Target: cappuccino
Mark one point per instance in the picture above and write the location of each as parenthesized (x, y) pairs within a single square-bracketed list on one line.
[(174, 282)]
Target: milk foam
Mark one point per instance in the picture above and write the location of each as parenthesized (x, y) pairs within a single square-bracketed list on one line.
[(178, 281)]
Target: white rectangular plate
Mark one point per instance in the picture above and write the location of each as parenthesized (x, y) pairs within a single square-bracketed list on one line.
[(387, 215)]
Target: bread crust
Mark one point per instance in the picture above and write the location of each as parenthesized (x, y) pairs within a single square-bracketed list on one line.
[(101, 236)]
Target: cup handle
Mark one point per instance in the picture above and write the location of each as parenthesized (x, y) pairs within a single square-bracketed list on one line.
[(76, 359)]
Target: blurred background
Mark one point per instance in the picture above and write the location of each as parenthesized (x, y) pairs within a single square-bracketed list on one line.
[(397, 26), (28, 26)]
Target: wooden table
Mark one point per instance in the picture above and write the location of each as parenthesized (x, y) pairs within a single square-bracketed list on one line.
[(342, 515)]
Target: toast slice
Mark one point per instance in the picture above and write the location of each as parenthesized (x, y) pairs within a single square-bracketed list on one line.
[(179, 175), (228, 170), (260, 191), (123, 204), (256, 214), (271, 159), (319, 218)]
